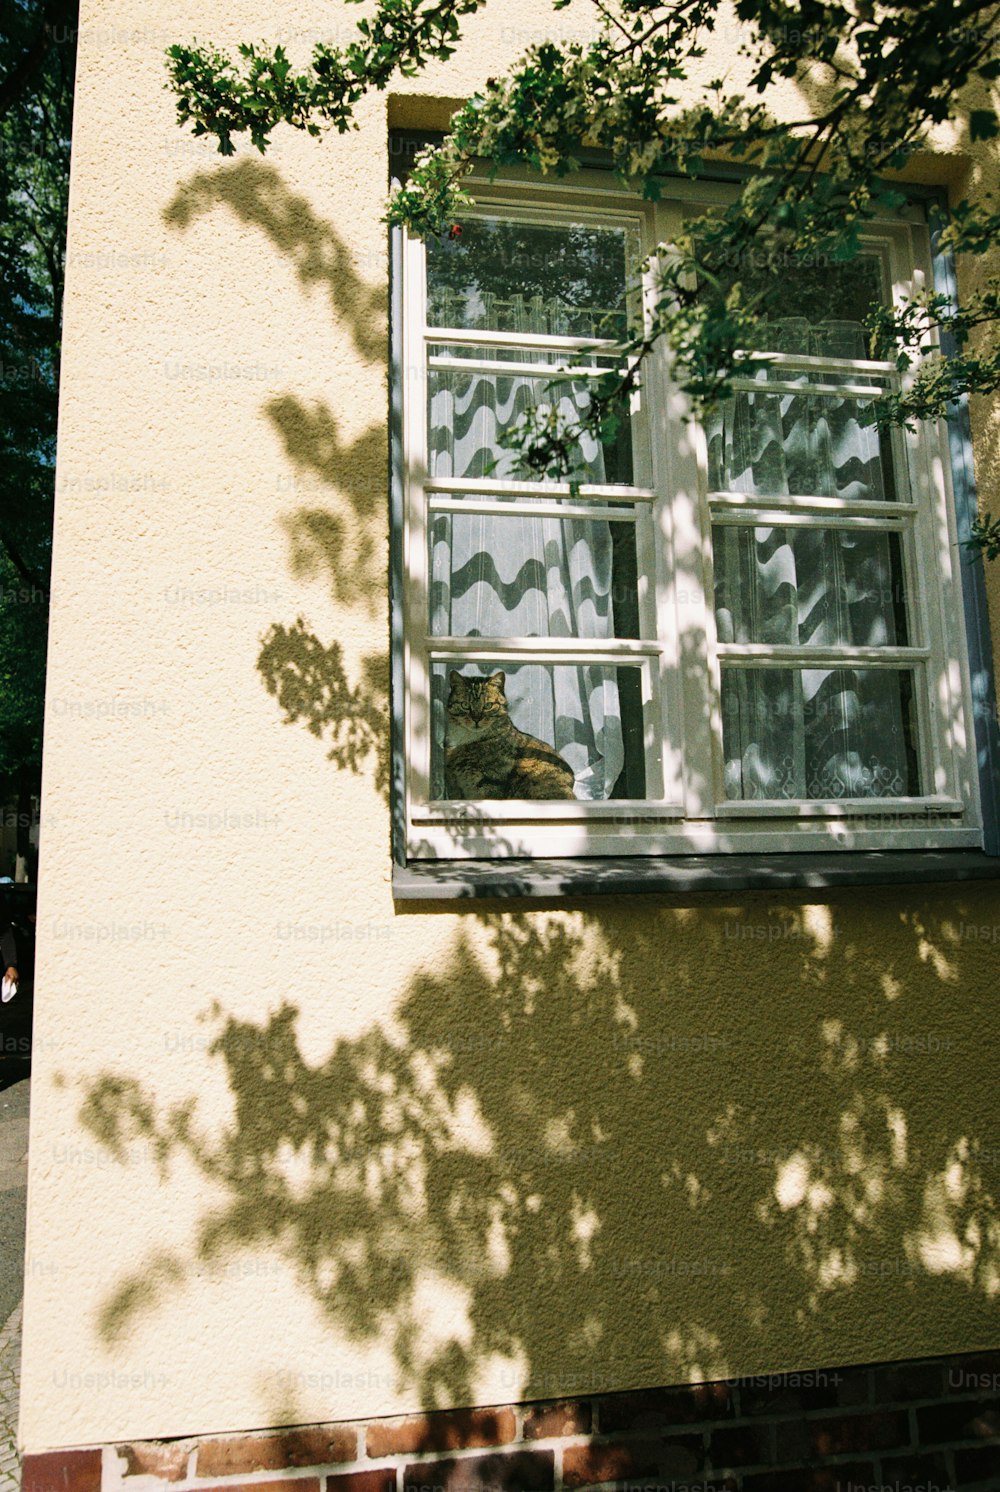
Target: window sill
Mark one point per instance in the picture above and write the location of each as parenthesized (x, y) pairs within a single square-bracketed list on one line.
[(453, 880)]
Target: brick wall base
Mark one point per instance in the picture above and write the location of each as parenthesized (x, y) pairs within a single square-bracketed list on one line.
[(927, 1426)]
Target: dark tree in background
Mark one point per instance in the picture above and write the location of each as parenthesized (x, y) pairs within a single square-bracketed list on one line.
[(37, 65)]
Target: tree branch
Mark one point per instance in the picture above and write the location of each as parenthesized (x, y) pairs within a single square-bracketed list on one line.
[(20, 564)]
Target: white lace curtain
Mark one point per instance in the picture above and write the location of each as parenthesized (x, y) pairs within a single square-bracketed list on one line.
[(788, 732), (522, 576), (808, 732)]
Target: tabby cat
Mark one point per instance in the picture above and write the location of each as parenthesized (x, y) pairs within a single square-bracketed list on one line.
[(486, 756)]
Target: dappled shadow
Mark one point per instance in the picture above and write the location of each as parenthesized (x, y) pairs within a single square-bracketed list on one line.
[(258, 196), (310, 683), (348, 547), (625, 1147), (630, 1146), (340, 535)]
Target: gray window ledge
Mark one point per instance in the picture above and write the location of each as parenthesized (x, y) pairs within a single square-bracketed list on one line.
[(452, 880)]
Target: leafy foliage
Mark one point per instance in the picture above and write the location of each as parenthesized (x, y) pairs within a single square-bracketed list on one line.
[(37, 61), (986, 535), (883, 76)]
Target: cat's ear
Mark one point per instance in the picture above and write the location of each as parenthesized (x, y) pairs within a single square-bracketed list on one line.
[(454, 678), (499, 678)]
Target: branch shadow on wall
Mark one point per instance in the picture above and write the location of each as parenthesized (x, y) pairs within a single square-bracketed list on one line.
[(310, 683), (256, 194), (614, 1151), (347, 547), (340, 536)]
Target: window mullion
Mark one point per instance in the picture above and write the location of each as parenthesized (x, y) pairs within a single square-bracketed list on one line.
[(415, 468), (525, 508), (941, 717), (818, 656), (487, 486), (691, 719), (737, 502)]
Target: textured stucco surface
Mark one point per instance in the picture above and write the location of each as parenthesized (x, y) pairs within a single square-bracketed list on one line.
[(498, 1155)]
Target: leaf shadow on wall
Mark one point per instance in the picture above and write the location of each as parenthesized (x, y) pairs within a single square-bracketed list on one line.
[(625, 1147), (256, 194), (349, 548), (614, 1149), (340, 536), (310, 683)]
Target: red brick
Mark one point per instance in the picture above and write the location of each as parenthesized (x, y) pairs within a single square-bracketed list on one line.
[(842, 1478), (791, 1393), (791, 1440), (658, 1409), (987, 1361), (959, 1420), (741, 1445), (680, 1456), (383, 1480), (286, 1484), (572, 1417), (973, 1375), (835, 1437), (855, 1387), (592, 1465), (62, 1471), (928, 1469), (512, 1471), (165, 1459), (901, 1382), (312, 1446), (457, 1430), (978, 1465)]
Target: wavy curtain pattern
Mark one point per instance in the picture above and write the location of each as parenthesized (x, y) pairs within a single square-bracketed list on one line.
[(522, 576), (804, 732), (768, 444)]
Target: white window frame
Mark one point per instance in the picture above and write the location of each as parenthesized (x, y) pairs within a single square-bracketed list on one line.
[(690, 813)]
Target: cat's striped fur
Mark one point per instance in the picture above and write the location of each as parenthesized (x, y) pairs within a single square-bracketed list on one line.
[(486, 756)]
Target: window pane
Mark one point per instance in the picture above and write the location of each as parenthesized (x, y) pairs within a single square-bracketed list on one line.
[(549, 280), (824, 733), (522, 576), (809, 586), (506, 741), (830, 300), (770, 444), (473, 419)]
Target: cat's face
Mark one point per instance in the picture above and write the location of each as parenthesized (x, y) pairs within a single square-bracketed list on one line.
[(475, 701)]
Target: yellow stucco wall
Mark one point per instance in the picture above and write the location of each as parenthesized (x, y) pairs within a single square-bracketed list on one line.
[(296, 1156)]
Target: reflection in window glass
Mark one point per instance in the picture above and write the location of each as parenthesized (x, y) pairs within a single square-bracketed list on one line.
[(548, 280), (824, 301)]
